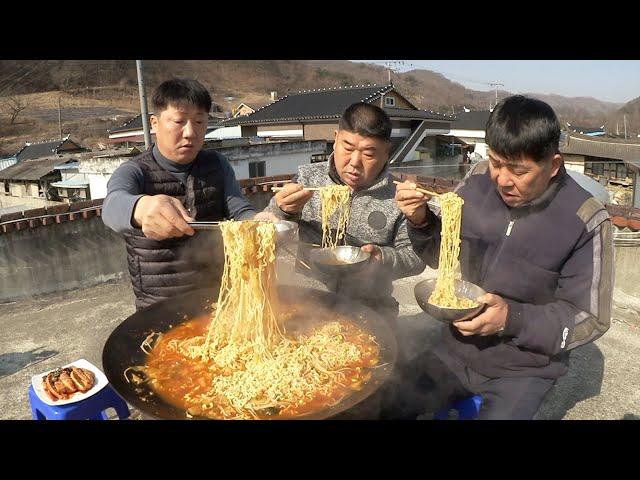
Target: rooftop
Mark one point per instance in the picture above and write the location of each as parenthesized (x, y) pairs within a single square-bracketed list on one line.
[(325, 104), (619, 149), (474, 120), (53, 330)]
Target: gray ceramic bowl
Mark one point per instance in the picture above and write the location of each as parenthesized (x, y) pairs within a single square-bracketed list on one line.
[(423, 291), (339, 260)]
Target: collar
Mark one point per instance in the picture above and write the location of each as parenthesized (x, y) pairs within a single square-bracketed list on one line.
[(170, 165)]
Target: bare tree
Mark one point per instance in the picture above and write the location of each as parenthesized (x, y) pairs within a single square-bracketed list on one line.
[(13, 106)]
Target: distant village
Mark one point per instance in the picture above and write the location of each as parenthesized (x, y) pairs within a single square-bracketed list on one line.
[(296, 129)]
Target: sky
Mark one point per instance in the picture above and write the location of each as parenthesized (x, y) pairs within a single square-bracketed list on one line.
[(607, 80)]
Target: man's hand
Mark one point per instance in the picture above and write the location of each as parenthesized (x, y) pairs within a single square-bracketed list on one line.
[(373, 265), (374, 250), (162, 217), (292, 197), (411, 202), (490, 322), (265, 216)]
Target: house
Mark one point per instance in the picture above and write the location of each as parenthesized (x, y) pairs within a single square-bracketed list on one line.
[(98, 167), (314, 115), (35, 150), (267, 159), (468, 132), (33, 178), (612, 161), (241, 110), (73, 186), (131, 133)]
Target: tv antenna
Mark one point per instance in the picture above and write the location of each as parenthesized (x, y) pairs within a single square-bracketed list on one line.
[(394, 66)]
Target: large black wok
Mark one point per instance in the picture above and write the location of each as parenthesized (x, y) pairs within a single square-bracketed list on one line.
[(122, 348)]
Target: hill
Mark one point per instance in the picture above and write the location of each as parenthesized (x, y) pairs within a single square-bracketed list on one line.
[(111, 85)]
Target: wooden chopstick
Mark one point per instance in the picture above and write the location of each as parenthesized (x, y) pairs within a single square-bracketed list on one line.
[(277, 189), (274, 181), (421, 190)]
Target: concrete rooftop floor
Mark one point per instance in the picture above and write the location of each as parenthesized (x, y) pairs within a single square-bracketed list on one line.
[(42, 333)]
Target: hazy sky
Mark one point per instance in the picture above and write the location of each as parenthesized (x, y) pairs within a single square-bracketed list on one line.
[(608, 80)]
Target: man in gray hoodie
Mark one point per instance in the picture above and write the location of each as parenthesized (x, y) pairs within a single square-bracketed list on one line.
[(360, 160)]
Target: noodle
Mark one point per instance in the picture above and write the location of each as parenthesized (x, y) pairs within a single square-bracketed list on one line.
[(334, 198), (444, 294), (244, 365)]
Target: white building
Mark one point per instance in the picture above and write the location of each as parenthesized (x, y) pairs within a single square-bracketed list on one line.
[(470, 128)]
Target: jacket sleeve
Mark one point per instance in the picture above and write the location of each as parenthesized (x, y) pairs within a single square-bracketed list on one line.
[(426, 239), (401, 259), (582, 310)]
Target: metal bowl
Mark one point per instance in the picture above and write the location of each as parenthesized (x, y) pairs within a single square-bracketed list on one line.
[(339, 260), (285, 231), (464, 289)]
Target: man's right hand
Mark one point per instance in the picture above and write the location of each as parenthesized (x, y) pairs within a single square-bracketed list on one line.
[(292, 197), (411, 202), (162, 217)]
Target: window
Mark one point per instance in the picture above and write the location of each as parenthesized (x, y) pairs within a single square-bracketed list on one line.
[(389, 102), (257, 169)]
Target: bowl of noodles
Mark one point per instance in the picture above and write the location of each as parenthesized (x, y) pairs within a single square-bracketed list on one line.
[(344, 259), (466, 294)]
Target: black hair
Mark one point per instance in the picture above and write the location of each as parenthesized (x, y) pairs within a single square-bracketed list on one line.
[(366, 120), (521, 126), (180, 91)]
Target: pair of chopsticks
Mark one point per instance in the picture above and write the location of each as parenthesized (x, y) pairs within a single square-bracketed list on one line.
[(274, 181), (277, 189), (421, 190), (203, 225)]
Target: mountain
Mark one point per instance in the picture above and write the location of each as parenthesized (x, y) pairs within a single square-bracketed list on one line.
[(112, 84), (615, 121)]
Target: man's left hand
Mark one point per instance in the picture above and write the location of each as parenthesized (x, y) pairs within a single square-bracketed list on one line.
[(374, 250), (490, 322), (373, 265)]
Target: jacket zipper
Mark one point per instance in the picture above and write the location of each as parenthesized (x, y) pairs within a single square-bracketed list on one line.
[(507, 233)]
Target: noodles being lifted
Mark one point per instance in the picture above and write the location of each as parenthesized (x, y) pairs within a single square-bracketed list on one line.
[(247, 301), (334, 198), (242, 365), (444, 294)]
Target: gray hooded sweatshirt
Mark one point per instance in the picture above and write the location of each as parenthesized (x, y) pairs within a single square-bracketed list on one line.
[(375, 219)]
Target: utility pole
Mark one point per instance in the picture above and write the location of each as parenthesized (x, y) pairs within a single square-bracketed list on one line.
[(625, 126), (393, 65), (59, 118), (143, 106), (496, 84)]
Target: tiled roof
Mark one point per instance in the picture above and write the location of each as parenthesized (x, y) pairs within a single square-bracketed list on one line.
[(475, 120), (416, 114), (133, 124), (44, 149), (324, 103), (618, 149), (31, 169)]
